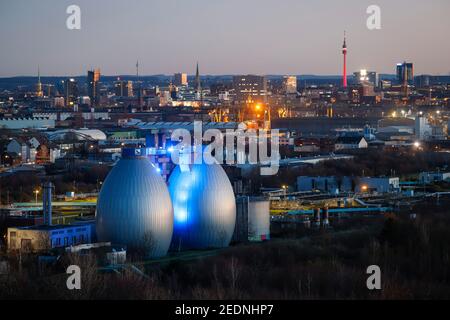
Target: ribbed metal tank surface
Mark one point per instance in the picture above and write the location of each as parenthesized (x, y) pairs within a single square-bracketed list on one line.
[(204, 207), (134, 208)]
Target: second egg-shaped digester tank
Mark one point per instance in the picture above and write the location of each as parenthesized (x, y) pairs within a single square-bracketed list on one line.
[(134, 206), (204, 207)]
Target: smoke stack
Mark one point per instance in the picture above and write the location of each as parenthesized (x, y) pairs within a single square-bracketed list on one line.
[(316, 218), (325, 217), (47, 203)]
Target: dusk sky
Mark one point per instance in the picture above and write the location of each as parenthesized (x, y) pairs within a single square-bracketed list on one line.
[(225, 36)]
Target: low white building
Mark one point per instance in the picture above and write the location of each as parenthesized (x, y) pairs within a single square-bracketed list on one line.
[(345, 143)]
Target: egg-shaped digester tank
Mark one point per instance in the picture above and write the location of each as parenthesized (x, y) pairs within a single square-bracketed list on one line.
[(204, 207), (134, 206)]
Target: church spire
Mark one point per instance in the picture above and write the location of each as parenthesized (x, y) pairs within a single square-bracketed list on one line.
[(198, 85), (198, 88), (39, 91)]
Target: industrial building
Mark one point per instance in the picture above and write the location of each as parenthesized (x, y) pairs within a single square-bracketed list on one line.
[(48, 236), (380, 185), (335, 185), (430, 177), (322, 126), (324, 184)]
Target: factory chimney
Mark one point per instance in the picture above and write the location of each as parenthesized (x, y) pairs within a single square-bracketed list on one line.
[(47, 202)]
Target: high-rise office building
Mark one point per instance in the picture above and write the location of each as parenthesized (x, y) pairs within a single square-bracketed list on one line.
[(93, 79), (123, 88), (70, 91), (250, 87), (405, 73), (180, 79), (290, 85), (49, 90)]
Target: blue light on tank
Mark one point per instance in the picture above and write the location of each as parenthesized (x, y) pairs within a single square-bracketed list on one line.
[(157, 168), (181, 215), (204, 206), (182, 196), (181, 203)]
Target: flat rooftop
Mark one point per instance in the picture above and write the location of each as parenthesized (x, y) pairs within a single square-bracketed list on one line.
[(53, 227)]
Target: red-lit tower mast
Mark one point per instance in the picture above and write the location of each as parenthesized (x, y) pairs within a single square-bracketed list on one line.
[(344, 52)]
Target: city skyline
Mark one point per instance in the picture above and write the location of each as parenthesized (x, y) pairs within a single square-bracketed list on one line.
[(168, 37)]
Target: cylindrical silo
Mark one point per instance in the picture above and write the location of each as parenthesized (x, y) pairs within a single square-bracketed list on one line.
[(204, 207), (258, 220), (134, 206)]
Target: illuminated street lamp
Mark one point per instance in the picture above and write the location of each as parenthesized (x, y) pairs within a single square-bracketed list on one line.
[(36, 192)]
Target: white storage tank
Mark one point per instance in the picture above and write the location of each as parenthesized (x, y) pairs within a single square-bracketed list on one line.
[(134, 206), (258, 220), (253, 219)]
